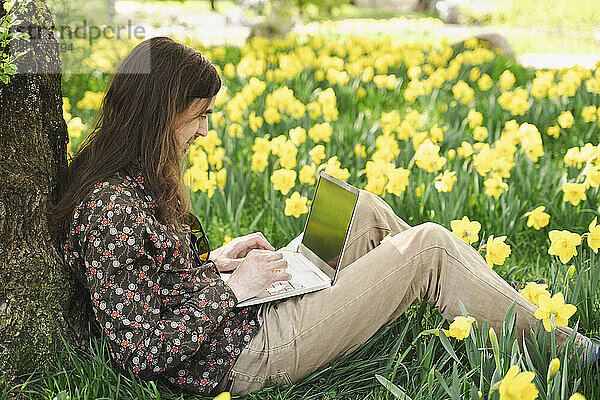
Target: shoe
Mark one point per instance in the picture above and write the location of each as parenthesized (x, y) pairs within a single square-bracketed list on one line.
[(520, 285)]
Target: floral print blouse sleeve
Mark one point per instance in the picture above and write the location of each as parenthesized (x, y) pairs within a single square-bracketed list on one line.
[(162, 313)]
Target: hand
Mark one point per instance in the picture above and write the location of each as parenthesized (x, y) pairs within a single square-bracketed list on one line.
[(259, 270), (228, 257)]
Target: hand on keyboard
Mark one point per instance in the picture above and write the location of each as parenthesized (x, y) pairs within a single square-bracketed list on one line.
[(282, 287)]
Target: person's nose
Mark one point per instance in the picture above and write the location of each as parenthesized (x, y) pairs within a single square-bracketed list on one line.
[(203, 127)]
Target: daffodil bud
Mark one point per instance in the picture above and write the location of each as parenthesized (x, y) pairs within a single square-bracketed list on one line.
[(553, 368), (571, 271), (495, 346), (451, 154)]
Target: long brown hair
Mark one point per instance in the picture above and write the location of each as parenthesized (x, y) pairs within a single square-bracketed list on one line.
[(150, 87)]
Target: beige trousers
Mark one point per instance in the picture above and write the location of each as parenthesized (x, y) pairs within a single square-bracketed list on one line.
[(377, 284)]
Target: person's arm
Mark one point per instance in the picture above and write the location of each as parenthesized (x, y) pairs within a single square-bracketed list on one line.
[(123, 254)]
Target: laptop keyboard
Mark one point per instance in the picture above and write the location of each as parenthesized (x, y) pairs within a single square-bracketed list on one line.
[(283, 286)]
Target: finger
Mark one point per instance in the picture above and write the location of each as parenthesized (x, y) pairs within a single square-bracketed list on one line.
[(279, 264), (229, 264), (260, 241), (259, 252), (274, 256), (280, 275)]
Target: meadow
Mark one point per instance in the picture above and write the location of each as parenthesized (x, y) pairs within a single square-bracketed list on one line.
[(505, 157)]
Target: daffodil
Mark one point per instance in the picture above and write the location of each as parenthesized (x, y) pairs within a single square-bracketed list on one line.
[(593, 237), (507, 80), (518, 385), (485, 82), (296, 205), (563, 244), (307, 174), (397, 181), (427, 156), (553, 368), (320, 132), (496, 251), (297, 135), (360, 150), (283, 180), (317, 153), (565, 119), (537, 218), (444, 182), (495, 186), (532, 292), (223, 396), (460, 328), (465, 229), (259, 161), (553, 311), (573, 192)]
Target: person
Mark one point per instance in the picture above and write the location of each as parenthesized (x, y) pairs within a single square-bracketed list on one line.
[(123, 216)]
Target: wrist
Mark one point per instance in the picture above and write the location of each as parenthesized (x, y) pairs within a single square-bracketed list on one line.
[(237, 290)]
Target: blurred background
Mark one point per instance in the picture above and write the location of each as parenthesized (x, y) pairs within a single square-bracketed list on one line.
[(535, 29)]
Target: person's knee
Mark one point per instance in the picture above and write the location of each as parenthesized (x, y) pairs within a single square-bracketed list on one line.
[(433, 233), (371, 206)]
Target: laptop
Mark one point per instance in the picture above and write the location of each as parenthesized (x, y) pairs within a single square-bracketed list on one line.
[(314, 257)]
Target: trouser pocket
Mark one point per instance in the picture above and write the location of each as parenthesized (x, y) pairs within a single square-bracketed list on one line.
[(243, 384)]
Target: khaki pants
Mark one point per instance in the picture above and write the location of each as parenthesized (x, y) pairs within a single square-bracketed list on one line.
[(379, 282)]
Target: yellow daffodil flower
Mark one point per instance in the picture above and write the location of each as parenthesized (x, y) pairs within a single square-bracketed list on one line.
[(593, 237), (317, 153), (495, 187), (553, 311), (296, 205), (297, 135), (532, 292), (496, 251), (307, 174), (283, 180), (565, 119), (397, 181), (563, 244), (553, 131), (518, 386), (589, 114), (445, 182), (460, 328), (537, 218), (465, 229), (573, 192)]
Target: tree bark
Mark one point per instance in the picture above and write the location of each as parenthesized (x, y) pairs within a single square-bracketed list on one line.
[(424, 5), (38, 299)]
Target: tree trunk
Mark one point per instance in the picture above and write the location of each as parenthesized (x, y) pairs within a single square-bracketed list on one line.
[(424, 5), (38, 300)]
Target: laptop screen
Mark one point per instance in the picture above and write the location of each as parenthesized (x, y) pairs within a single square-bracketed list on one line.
[(328, 221)]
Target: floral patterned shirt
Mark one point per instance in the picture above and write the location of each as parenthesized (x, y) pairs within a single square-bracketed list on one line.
[(162, 312)]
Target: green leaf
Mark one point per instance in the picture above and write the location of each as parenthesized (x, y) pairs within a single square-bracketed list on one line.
[(463, 309), (446, 343), (395, 390)]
